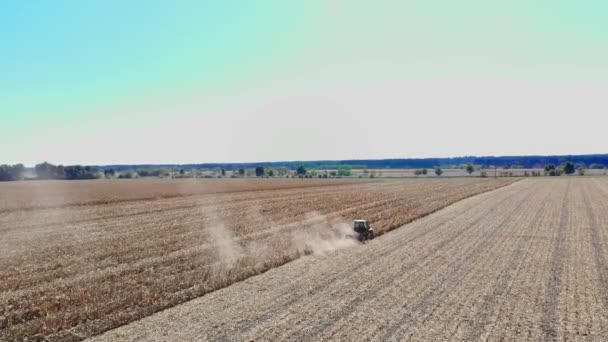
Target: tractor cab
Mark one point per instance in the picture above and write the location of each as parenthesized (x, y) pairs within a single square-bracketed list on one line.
[(364, 231)]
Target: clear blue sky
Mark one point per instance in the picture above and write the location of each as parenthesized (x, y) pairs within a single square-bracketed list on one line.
[(201, 81)]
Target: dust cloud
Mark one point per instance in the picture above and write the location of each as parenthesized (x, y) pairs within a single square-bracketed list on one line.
[(322, 235), (228, 250), (315, 234)]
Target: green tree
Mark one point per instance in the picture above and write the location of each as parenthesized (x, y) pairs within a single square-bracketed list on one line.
[(424, 171), (241, 172), (438, 171), (109, 173), (569, 168), (344, 171), (549, 167), (259, 171), (46, 171), (271, 173), (12, 172), (470, 168), (128, 174), (301, 170), (75, 172)]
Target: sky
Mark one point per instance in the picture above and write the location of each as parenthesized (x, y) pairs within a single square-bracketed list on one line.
[(130, 82)]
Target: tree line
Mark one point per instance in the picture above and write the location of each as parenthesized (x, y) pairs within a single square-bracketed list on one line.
[(522, 162), (49, 171), (73, 172), (12, 172)]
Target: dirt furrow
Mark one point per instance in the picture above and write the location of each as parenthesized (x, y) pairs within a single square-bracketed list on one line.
[(560, 248)]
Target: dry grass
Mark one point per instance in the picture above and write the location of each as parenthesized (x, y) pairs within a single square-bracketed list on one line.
[(70, 271)]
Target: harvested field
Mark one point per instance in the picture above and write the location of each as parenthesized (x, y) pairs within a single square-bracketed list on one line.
[(77, 260), (53, 194), (527, 262)]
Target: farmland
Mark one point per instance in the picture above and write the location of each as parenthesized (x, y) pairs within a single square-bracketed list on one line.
[(527, 262), (79, 258)]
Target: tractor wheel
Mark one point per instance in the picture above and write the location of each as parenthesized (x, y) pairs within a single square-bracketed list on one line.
[(371, 235)]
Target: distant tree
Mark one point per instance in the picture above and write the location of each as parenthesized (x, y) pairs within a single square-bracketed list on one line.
[(46, 171), (438, 171), (60, 172), (182, 172), (549, 167), (301, 170), (75, 172), (127, 174), (424, 171), (223, 171), (259, 171), (569, 168), (18, 172), (241, 172), (271, 173), (344, 171), (109, 173), (417, 172), (49, 171), (12, 172), (483, 174), (470, 168), (581, 171)]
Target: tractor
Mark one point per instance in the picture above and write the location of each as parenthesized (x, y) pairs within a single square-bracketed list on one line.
[(363, 230)]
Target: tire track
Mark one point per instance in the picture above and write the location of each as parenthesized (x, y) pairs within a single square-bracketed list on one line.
[(599, 252), (549, 322)]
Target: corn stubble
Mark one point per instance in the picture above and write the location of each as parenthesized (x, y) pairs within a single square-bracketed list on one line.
[(74, 266)]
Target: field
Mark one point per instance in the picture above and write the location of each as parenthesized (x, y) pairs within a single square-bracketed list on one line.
[(79, 258), (527, 262)]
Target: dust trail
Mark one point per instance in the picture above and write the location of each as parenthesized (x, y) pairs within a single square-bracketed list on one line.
[(323, 235), (228, 250), (315, 234)]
